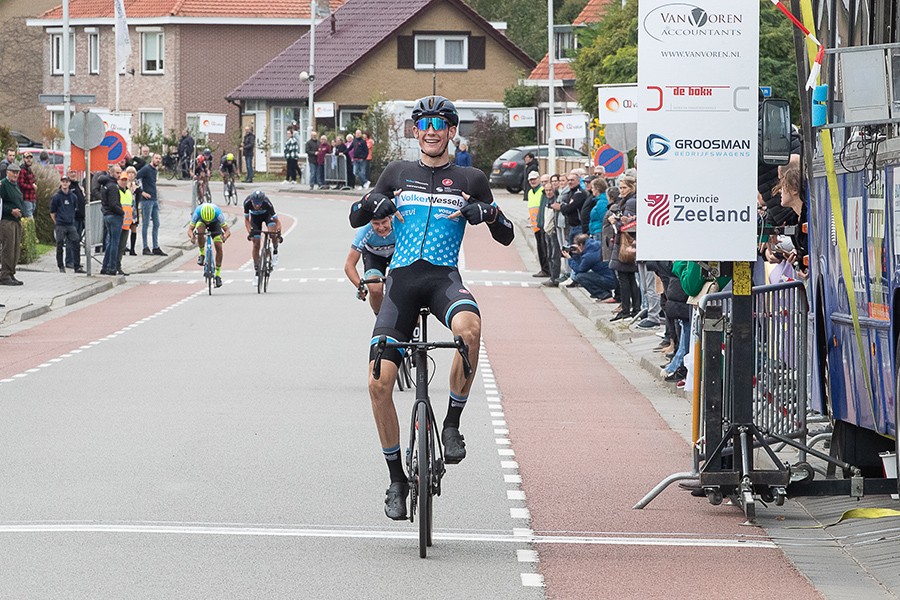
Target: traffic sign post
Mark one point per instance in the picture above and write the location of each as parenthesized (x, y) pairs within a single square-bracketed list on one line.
[(88, 129)]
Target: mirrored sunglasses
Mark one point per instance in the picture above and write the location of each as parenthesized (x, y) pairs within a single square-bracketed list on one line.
[(435, 123)]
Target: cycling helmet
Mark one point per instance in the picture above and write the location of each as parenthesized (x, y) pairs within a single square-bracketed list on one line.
[(258, 197), (435, 106), (229, 156), (207, 212), (201, 159)]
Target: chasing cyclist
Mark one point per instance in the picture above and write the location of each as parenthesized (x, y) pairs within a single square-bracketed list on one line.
[(209, 220), (259, 211), (374, 243), (200, 173), (435, 200), (228, 167)]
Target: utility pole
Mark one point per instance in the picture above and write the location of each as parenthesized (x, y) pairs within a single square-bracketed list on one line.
[(67, 98), (551, 143), (313, 9)]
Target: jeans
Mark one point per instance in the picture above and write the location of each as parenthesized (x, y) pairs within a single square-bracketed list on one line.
[(114, 232), (598, 285), (551, 243), (684, 344), (650, 297), (359, 171), (320, 174), (67, 239), (29, 209), (312, 171), (149, 210), (540, 241), (248, 161)]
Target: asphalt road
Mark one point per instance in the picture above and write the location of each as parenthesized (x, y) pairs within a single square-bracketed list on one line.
[(162, 443)]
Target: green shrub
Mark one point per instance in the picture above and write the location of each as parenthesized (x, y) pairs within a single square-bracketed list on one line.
[(490, 138), (47, 181), (29, 242)]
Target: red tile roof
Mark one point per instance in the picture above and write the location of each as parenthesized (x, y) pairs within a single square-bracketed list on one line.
[(86, 9), (360, 27), (561, 71), (592, 12)]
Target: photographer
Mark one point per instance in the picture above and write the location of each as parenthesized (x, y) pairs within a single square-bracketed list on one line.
[(588, 267)]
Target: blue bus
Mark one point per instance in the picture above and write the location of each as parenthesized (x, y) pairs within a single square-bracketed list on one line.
[(855, 358)]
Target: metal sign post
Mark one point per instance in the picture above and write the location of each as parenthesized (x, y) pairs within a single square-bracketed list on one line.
[(88, 128)]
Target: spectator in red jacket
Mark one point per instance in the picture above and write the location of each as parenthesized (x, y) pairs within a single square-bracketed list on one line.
[(323, 151), (27, 184)]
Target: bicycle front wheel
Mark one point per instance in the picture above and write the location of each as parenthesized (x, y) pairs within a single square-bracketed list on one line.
[(424, 478), (268, 270)]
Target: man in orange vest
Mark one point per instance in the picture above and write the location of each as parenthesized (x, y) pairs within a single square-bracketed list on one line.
[(535, 197)]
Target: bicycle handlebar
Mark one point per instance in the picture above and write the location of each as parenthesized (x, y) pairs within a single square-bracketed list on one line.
[(382, 344)]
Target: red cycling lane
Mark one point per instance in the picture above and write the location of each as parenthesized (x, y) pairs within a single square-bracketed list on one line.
[(589, 445)]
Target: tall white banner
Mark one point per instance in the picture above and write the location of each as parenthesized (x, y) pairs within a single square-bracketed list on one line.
[(698, 65), (123, 41)]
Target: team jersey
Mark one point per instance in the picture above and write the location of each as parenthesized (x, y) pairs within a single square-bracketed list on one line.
[(264, 212), (219, 218), (201, 168), (229, 167), (367, 239), (429, 195)]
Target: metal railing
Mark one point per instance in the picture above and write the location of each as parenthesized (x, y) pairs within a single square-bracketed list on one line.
[(336, 170)]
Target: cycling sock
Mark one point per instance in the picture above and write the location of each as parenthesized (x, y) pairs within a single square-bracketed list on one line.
[(392, 456), (202, 251), (454, 410), (218, 271)]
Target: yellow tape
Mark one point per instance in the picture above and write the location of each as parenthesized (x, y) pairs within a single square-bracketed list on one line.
[(856, 513), (838, 215), (743, 282)]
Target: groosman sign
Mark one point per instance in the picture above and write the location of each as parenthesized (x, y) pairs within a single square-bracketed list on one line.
[(698, 65)]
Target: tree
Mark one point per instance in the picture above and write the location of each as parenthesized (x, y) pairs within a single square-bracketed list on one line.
[(526, 22), (568, 10), (522, 96), (777, 67), (7, 141), (385, 133), (490, 138)]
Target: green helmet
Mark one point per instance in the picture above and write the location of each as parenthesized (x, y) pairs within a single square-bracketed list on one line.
[(207, 212)]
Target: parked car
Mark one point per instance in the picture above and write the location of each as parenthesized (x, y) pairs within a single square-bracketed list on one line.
[(24, 141), (509, 169), (55, 158)]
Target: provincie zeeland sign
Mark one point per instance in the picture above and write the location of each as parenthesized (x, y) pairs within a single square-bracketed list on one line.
[(698, 66)]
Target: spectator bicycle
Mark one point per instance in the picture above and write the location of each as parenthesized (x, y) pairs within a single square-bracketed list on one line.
[(170, 166), (231, 196), (265, 260), (404, 373), (424, 455)]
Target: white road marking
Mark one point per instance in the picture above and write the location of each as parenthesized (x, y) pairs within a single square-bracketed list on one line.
[(509, 464), (527, 555), (532, 580), (519, 513), (515, 495), (512, 479), (506, 452), (501, 432), (499, 423)]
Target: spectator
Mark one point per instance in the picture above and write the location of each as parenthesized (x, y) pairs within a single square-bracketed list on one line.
[(44, 158), (12, 207), (599, 206), (573, 204), (551, 241), (370, 143), (530, 165), (185, 153), (9, 159), (536, 199), (312, 147), (63, 205), (589, 269), (113, 217), (138, 162), (134, 186), (27, 184), (323, 150), (463, 158), (80, 208), (359, 153), (248, 148), (348, 159), (292, 156), (625, 269), (678, 309), (150, 205), (126, 199)]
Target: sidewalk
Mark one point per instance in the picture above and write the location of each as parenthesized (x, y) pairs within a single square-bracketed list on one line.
[(853, 560)]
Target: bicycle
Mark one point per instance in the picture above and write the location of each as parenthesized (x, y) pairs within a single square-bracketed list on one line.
[(170, 165), (209, 263), (404, 373), (265, 260), (424, 465), (231, 196)]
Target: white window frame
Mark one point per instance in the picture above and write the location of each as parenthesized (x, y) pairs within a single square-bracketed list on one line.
[(440, 42), (93, 52), (347, 115), (56, 53), (159, 58), (153, 111), (558, 48), (278, 125)]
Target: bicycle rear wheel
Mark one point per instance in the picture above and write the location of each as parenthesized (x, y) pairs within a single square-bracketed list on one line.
[(424, 479), (268, 269)]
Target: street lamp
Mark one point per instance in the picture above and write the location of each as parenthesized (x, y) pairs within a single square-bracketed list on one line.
[(310, 75), (305, 76)]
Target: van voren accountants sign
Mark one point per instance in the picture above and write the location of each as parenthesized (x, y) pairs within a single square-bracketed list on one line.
[(698, 65)]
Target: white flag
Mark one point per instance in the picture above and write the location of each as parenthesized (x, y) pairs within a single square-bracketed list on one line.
[(123, 42)]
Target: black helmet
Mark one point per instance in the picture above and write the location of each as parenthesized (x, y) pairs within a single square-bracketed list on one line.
[(258, 197), (435, 106)]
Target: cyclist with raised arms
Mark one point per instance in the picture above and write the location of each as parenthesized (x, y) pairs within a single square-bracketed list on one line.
[(208, 219), (259, 211), (374, 243), (435, 200)]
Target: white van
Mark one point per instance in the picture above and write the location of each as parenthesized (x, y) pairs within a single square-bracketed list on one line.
[(468, 110)]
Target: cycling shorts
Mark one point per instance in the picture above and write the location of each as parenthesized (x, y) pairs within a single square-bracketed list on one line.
[(412, 287), (374, 265), (213, 229), (257, 221)]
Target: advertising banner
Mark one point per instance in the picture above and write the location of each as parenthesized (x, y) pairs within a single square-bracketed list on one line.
[(323, 110), (210, 123), (569, 127), (698, 64), (618, 104), (119, 123), (522, 117)]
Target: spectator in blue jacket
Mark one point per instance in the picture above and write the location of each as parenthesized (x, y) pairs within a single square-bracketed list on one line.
[(463, 158), (588, 267)]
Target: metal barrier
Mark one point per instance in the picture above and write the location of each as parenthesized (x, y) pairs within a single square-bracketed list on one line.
[(336, 170), (95, 226)]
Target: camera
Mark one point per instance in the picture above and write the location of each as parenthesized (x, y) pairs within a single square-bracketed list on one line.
[(573, 249)]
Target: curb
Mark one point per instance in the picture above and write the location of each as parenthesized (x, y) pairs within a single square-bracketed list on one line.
[(32, 311)]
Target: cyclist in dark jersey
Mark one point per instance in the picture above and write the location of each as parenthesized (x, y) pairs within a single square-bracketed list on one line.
[(259, 211), (433, 200)]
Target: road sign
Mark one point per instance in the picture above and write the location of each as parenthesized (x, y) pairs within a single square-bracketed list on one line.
[(610, 159), (86, 130), (766, 90), (60, 98), (116, 144)]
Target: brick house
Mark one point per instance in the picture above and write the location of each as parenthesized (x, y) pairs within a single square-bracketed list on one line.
[(382, 49), (186, 56)]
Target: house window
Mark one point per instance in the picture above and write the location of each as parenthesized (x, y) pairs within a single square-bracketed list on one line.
[(58, 123), (57, 49), (193, 125), (442, 52), (564, 43), (348, 117), (153, 121), (93, 53), (282, 117), (152, 51)]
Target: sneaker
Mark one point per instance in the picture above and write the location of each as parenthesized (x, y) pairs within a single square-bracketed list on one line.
[(454, 445), (610, 300), (618, 316), (275, 249), (541, 274), (550, 283), (122, 273), (663, 344), (679, 374), (641, 314), (8, 281), (285, 182), (132, 253), (679, 384), (79, 269), (159, 252), (395, 500), (201, 259), (218, 281), (146, 252), (62, 270), (647, 324), (573, 284)]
